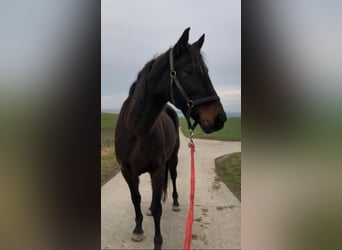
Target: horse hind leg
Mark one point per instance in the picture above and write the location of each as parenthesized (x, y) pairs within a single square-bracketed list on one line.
[(133, 184), (149, 213), (172, 167), (172, 164), (165, 182), (156, 207)]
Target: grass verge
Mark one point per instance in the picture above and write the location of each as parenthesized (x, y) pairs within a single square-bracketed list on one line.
[(228, 169), (109, 165)]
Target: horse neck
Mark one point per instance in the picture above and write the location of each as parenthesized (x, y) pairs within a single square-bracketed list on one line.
[(154, 85), (144, 114)]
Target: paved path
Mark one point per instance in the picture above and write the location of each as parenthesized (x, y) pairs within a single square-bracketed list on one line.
[(217, 211)]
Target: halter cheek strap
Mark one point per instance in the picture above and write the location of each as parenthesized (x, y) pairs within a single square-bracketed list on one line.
[(190, 103)]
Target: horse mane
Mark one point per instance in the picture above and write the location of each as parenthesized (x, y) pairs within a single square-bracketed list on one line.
[(138, 88), (152, 71), (145, 86), (146, 78)]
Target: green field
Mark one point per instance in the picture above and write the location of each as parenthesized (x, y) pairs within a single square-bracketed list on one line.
[(109, 165), (230, 132), (108, 121), (228, 168)]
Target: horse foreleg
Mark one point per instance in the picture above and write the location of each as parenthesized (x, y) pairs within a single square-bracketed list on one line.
[(133, 183)]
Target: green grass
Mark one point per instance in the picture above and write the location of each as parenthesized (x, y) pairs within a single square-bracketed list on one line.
[(228, 168), (108, 121), (230, 132), (109, 165)]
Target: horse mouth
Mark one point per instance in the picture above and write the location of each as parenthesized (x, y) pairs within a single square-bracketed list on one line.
[(209, 128), (217, 124)]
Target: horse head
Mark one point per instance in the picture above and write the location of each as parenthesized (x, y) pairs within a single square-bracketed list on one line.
[(191, 89)]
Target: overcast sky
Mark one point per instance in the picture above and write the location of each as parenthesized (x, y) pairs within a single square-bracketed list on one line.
[(135, 31)]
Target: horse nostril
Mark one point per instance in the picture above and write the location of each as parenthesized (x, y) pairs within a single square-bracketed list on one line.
[(221, 117)]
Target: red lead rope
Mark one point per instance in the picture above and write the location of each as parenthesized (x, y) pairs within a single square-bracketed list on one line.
[(190, 218)]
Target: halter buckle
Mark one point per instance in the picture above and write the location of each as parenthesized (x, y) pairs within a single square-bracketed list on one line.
[(190, 103), (172, 73)]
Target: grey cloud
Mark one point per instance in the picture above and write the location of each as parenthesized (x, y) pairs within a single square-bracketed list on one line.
[(135, 31)]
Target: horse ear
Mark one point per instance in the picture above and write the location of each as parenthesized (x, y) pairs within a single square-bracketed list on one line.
[(182, 42), (199, 43)]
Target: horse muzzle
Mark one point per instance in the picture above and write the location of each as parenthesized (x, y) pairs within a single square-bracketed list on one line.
[(211, 118)]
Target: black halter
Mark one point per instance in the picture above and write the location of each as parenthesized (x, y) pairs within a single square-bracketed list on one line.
[(190, 103)]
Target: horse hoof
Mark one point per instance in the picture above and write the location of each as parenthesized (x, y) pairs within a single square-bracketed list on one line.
[(176, 208), (149, 213), (138, 237)]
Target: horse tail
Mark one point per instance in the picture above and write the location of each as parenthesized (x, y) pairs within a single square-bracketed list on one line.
[(174, 117)]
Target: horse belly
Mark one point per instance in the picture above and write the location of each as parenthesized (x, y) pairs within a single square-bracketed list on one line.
[(170, 135)]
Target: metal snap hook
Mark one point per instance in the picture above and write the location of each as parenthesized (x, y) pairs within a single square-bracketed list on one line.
[(191, 136)]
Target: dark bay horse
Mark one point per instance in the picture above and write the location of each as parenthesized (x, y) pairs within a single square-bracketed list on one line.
[(146, 136)]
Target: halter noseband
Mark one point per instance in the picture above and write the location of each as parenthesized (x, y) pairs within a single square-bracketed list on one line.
[(190, 103)]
